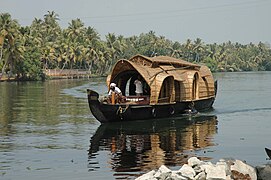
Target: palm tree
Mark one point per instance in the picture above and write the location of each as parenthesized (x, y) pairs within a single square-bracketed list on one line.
[(92, 35), (175, 50), (114, 48), (11, 45), (91, 57), (76, 30), (198, 49), (188, 50), (50, 27), (36, 31)]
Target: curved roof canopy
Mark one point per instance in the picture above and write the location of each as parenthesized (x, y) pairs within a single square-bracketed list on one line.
[(150, 67)]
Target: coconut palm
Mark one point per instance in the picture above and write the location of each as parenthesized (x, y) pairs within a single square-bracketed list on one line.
[(11, 43), (198, 49), (92, 35), (188, 50), (50, 28), (76, 30), (114, 48), (91, 57), (175, 50)]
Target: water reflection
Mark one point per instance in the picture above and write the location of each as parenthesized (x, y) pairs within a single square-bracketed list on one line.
[(39, 117), (144, 145)]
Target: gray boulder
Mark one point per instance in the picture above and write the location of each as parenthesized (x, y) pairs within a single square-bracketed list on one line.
[(264, 172)]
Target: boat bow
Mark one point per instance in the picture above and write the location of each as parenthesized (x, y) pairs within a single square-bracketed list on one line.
[(95, 105)]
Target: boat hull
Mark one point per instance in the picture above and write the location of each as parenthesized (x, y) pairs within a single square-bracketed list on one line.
[(104, 112)]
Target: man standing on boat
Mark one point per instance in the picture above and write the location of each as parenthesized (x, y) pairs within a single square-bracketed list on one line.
[(139, 86)]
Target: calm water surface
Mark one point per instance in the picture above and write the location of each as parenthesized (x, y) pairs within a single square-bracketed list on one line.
[(47, 131)]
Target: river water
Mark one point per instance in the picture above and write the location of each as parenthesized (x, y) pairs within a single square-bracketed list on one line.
[(47, 131)]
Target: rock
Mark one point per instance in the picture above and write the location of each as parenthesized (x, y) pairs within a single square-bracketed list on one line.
[(264, 172), (215, 172), (194, 161), (176, 176), (200, 170), (238, 175), (244, 169), (200, 176), (147, 176), (226, 165), (162, 173), (187, 171)]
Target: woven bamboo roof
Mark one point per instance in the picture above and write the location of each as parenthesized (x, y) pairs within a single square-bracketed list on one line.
[(165, 60), (171, 60), (150, 67), (157, 70)]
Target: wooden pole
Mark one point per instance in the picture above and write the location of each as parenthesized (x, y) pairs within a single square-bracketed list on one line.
[(113, 97), (1, 41)]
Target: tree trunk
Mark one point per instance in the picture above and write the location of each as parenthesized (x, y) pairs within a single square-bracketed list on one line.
[(1, 54), (64, 65), (6, 60)]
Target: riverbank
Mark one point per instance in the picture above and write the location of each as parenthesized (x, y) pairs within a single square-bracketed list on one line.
[(224, 169), (67, 73), (57, 74), (2, 79)]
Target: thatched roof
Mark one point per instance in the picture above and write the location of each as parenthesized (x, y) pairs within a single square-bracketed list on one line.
[(157, 60), (172, 61), (150, 67)]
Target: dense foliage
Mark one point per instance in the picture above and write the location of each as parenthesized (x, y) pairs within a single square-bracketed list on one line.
[(27, 51)]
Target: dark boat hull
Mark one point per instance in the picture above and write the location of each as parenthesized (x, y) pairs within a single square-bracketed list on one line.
[(104, 112)]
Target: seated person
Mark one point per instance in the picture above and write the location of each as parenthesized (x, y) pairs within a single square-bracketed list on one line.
[(118, 95), (114, 88)]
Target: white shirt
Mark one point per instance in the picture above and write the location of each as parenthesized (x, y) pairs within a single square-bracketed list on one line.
[(117, 91), (139, 87)]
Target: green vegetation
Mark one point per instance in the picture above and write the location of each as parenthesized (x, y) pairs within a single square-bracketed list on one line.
[(26, 51)]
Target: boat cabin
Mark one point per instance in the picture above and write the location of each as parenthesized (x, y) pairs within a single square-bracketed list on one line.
[(165, 80)]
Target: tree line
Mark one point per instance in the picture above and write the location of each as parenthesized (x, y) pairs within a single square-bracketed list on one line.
[(25, 52)]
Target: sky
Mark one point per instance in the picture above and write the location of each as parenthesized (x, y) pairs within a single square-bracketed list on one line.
[(213, 21)]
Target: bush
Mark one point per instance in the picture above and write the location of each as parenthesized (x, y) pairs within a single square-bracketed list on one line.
[(30, 67)]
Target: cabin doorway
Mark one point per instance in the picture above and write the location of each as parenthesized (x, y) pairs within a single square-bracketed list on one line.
[(125, 81), (195, 87)]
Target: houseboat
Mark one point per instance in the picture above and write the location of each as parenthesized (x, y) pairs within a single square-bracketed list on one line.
[(170, 87)]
